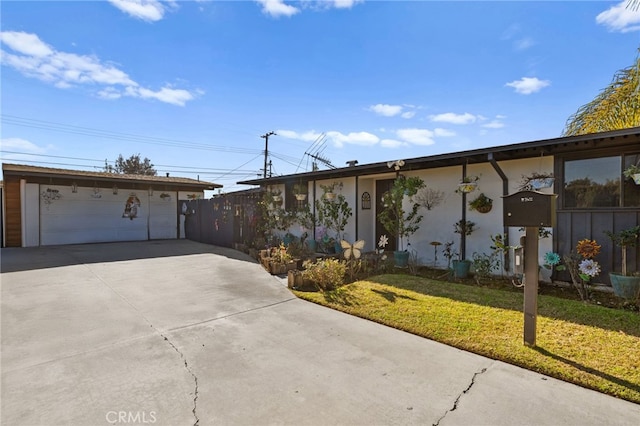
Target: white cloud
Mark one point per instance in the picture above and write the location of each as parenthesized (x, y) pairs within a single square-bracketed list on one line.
[(36, 59), (392, 143), (277, 8), (408, 114), (10, 144), (27, 44), (147, 10), (528, 85), (338, 139), (494, 124), (523, 43), (620, 18), (416, 136), (353, 138), (309, 136), (453, 118), (345, 4), (443, 132), (166, 94), (386, 110)]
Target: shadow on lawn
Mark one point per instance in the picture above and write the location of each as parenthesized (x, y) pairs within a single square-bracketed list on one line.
[(613, 379), (392, 296), (548, 306)]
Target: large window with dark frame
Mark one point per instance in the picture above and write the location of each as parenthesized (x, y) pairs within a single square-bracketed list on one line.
[(599, 183)]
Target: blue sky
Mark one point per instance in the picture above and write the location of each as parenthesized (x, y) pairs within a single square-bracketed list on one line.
[(192, 85)]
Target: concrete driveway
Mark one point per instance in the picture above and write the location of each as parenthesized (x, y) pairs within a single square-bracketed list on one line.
[(181, 333)]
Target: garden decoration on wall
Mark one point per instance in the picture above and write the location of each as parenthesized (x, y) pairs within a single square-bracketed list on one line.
[(429, 198), (131, 206), (49, 196), (536, 181)]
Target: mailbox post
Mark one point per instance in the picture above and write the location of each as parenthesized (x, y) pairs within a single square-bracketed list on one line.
[(531, 210)]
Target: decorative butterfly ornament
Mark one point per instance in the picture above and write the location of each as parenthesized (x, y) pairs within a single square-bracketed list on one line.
[(352, 249)]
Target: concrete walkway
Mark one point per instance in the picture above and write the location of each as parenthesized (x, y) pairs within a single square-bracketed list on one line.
[(181, 333)]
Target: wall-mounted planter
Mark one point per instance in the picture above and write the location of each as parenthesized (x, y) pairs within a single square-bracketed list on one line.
[(467, 187), (301, 197), (330, 196), (636, 178), (541, 183)]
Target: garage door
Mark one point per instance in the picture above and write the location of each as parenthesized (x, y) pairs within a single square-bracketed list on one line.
[(98, 215)]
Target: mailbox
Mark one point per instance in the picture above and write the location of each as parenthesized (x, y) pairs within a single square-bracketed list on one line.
[(529, 208)]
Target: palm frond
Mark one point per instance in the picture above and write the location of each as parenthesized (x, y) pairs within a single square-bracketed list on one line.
[(616, 107)]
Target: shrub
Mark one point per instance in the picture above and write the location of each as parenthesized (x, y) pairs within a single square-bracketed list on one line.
[(326, 274)]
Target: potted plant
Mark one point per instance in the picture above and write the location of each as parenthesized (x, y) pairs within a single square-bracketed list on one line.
[(276, 197), (333, 213), (625, 284), (329, 191), (308, 221), (300, 191), (468, 184), (280, 261), (536, 181), (633, 172), (481, 203), (461, 267), (397, 221)]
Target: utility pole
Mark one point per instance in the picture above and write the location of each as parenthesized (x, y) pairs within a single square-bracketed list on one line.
[(266, 149)]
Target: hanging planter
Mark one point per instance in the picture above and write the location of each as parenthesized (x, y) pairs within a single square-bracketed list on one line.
[(330, 196), (300, 191), (467, 184), (467, 187), (481, 204), (633, 172)]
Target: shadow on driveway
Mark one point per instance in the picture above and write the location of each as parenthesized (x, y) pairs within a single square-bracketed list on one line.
[(31, 258)]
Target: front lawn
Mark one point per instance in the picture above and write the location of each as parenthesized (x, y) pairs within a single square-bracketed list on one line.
[(585, 344)]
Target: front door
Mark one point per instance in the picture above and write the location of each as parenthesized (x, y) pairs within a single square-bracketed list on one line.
[(383, 186)]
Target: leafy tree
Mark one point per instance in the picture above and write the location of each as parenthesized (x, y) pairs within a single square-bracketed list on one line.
[(133, 165), (616, 107)]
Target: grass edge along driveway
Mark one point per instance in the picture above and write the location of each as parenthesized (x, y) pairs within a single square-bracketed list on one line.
[(588, 345)]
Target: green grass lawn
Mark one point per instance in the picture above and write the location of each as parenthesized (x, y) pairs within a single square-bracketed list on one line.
[(589, 345)]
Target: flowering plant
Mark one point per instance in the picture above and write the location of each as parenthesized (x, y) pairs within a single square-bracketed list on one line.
[(382, 243)]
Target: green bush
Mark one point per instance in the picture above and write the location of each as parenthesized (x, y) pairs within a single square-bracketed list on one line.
[(326, 274)]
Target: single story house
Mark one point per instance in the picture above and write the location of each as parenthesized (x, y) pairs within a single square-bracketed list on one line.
[(44, 206), (593, 196)]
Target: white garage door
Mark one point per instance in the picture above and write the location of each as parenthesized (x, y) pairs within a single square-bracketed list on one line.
[(98, 215)]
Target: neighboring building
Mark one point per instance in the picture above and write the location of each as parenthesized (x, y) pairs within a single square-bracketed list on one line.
[(592, 194), (46, 206)]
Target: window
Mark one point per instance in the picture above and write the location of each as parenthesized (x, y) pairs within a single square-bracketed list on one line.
[(598, 182)]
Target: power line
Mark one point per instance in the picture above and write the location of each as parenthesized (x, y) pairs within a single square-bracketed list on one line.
[(171, 168), (87, 131)]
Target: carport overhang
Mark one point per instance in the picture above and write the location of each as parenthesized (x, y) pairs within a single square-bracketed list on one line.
[(557, 146), (53, 176)]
